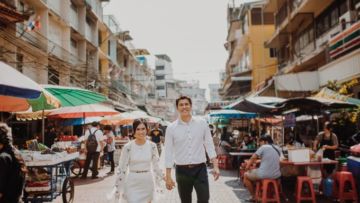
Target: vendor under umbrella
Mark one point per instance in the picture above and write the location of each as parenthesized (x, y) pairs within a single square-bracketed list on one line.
[(327, 141)]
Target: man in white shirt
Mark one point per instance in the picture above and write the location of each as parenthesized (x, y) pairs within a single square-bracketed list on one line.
[(187, 141), (93, 155)]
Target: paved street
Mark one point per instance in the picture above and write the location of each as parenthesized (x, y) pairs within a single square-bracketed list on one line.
[(227, 189)]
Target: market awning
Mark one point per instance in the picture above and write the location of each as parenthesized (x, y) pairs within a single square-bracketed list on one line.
[(259, 105), (229, 113), (329, 94), (312, 105), (303, 81)]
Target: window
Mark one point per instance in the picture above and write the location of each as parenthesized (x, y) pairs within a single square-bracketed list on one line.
[(53, 76), (21, 7), (160, 87), (109, 47), (160, 67), (160, 77), (73, 7), (125, 61), (334, 17), (305, 38), (73, 43), (343, 7), (89, 21), (256, 17), (19, 62), (272, 52)]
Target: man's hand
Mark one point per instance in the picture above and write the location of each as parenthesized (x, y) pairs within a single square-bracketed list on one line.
[(216, 173), (170, 184)]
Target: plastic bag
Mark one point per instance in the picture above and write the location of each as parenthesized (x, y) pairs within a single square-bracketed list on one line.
[(319, 155)]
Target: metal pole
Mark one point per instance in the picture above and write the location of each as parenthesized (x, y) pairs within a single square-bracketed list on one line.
[(43, 126)]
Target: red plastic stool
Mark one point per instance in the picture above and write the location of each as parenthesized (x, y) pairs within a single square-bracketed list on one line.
[(343, 180), (262, 191), (225, 162), (301, 180)]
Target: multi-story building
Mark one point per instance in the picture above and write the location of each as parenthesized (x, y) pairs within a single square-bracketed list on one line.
[(249, 63), (118, 91), (163, 74), (214, 92), (64, 48), (316, 42)]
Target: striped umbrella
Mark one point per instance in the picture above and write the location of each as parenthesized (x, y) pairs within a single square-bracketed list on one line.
[(19, 93)]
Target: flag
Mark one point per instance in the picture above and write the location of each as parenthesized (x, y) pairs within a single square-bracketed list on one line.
[(34, 24)]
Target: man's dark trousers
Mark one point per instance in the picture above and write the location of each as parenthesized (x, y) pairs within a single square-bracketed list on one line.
[(94, 157), (188, 178), (111, 159)]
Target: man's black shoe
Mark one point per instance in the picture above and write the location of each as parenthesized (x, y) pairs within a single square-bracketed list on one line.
[(110, 173), (94, 177)]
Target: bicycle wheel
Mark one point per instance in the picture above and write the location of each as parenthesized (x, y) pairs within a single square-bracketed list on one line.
[(68, 191), (76, 168)]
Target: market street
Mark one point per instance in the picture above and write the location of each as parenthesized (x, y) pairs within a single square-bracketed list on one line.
[(226, 190)]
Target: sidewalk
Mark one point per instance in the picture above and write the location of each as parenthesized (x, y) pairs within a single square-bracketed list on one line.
[(226, 190)]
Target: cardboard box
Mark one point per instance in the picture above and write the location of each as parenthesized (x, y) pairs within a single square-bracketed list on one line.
[(299, 155)]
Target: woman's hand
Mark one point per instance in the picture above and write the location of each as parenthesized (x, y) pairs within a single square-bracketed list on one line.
[(170, 184)]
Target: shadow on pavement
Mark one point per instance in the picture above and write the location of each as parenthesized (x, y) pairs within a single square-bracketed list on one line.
[(87, 181)]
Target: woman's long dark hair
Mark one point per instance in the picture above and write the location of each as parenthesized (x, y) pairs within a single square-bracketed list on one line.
[(137, 122), (6, 140)]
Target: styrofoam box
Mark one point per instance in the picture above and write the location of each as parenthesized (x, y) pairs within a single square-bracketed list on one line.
[(299, 155)]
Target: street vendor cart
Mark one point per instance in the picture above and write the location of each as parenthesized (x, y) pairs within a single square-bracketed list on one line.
[(49, 178)]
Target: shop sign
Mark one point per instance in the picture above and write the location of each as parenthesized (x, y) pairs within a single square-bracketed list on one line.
[(290, 120)]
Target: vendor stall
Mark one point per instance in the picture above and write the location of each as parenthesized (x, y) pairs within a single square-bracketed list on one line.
[(49, 175)]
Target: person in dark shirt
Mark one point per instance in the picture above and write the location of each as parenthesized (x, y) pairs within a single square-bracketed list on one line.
[(13, 169), (156, 135)]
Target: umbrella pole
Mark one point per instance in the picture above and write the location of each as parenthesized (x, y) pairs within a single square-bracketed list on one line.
[(43, 126), (84, 123)]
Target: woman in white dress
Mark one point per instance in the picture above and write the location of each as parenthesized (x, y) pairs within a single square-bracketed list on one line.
[(138, 166)]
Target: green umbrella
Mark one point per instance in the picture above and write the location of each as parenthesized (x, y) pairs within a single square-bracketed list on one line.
[(46, 101), (72, 96)]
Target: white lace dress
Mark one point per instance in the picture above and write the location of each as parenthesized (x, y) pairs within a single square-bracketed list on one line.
[(138, 167)]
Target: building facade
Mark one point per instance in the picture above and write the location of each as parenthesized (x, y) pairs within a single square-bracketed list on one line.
[(163, 74), (316, 42), (249, 63), (214, 92)]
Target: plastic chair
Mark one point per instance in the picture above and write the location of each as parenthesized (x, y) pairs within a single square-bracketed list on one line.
[(262, 191), (343, 192), (301, 181)]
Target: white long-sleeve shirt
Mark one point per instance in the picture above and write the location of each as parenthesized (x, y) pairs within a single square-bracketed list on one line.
[(186, 143)]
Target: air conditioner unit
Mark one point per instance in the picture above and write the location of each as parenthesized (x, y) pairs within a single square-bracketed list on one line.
[(349, 17)]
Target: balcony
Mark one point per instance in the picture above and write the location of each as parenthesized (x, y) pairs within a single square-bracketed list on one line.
[(95, 7), (56, 6), (74, 19), (90, 34), (281, 15)]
